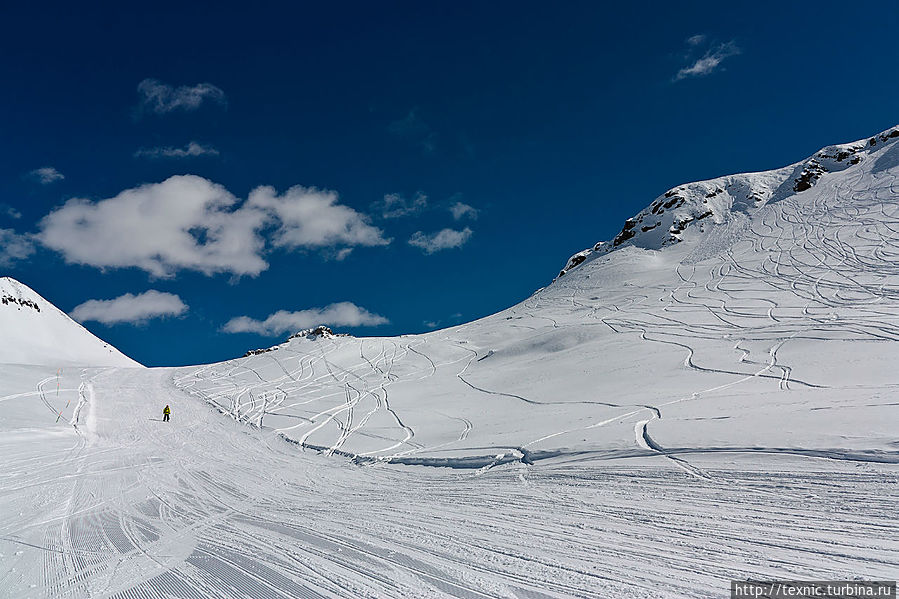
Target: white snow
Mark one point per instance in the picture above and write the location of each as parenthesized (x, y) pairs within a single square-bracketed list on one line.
[(673, 412), (34, 331)]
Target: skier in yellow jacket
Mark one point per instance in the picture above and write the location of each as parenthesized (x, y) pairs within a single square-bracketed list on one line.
[(166, 412)]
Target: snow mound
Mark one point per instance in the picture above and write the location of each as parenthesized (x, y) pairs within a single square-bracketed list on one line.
[(319, 332), (34, 331), (725, 199)]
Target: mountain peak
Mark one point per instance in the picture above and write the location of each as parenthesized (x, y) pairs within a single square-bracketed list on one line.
[(34, 331), (716, 201)]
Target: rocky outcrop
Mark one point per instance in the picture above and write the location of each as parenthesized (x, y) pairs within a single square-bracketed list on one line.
[(256, 352), (667, 219), (321, 331), (8, 300)]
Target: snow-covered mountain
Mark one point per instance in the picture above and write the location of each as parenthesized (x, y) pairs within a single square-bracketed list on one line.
[(34, 331), (734, 198), (710, 399), (761, 276)]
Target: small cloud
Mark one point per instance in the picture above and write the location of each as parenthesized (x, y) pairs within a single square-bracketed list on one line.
[(433, 324), (46, 175), (133, 309), (461, 210), (345, 314), (191, 150), (695, 40), (709, 62), (441, 240), (396, 206), (414, 130), (162, 98), (14, 247), (9, 211)]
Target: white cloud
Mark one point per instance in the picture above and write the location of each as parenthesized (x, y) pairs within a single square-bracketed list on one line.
[(46, 175), (188, 222), (282, 321), (343, 253), (130, 308), (312, 218), (10, 211), (14, 246), (709, 61), (433, 324), (695, 40), (185, 222), (461, 210), (191, 150), (396, 206), (442, 240), (163, 98)]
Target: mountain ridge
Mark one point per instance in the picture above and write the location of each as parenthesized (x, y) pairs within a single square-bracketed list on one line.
[(36, 332), (663, 222)]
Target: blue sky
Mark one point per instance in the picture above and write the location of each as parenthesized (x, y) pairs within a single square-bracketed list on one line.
[(387, 167)]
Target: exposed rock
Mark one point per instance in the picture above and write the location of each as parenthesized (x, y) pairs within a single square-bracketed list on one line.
[(256, 352), (676, 201), (19, 301), (663, 221), (809, 176), (626, 232), (321, 331)]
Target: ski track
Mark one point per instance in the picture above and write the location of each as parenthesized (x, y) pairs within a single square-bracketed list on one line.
[(179, 516), (326, 468)]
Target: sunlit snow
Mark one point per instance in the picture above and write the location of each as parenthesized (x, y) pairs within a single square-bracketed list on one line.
[(709, 396)]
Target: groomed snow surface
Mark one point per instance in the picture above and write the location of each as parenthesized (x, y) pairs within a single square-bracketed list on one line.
[(653, 424)]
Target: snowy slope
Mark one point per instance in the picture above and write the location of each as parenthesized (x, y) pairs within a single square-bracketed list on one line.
[(713, 336), (732, 198), (34, 331), (681, 409)]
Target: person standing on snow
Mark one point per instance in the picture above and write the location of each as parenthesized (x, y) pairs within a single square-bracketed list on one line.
[(166, 411)]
